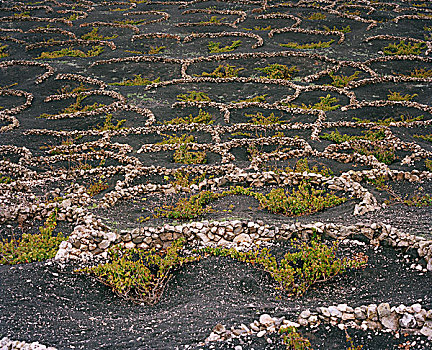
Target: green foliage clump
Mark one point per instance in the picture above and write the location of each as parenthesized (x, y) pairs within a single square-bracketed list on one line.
[(183, 154), (404, 49), (302, 166), (110, 126), (278, 71), (32, 247), (139, 275), (155, 50), (137, 81), (419, 201), (181, 178), (94, 51), (194, 96), (382, 153), (293, 340), (428, 164), (304, 200), (370, 135), (213, 20), (260, 28), (397, 96), (77, 107), (5, 180), (93, 35), (214, 47), (3, 52), (202, 118), (316, 16), (421, 73), (342, 81), (189, 208), (309, 46), (346, 29), (297, 271), (327, 103), (258, 98), (424, 137), (387, 121), (96, 187), (223, 71), (260, 119)]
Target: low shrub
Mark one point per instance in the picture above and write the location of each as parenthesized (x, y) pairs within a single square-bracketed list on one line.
[(3, 52), (342, 81), (93, 35), (260, 119), (214, 47), (223, 71), (96, 187), (278, 71), (327, 103), (32, 247), (297, 271), (94, 51), (293, 339), (193, 96), (309, 46), (139, 275), (346, 29), (387, 121), (258, 98), (397, 96), (109, 125), (337, 137), (202, 118), (402, 48), (382, 153), (137, 81)]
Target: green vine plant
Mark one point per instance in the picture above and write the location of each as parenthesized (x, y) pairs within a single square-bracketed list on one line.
[(257, 98), (3, 52), (108, 124), (94, 35), (5, 179), (293, 339), (137, 80), (278, 71), (214, 47), (76, 107), (327, 103), (301, 166), (202, 118), (213, 20), (382, 153), (69, 52), (427, 137), (193, 96), (387, 121), (421, 73), (316, 16), (402, 48), (139, 275), (418, 200), (182, 179), (222, 71), (308, 46), (259, 28), (183, 153), (371, 135), (397, 96), (342, 81), (310, 264), (260, 119), (301, 201), (96, 187), (32, 247), (346, 29)]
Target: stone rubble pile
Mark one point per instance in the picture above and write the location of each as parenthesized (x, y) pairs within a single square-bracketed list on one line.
[(407, 319), (9, 344)]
